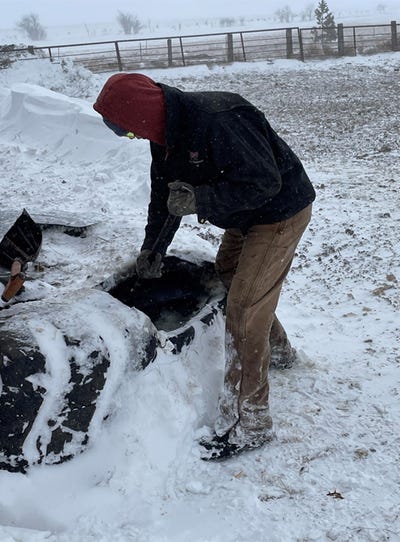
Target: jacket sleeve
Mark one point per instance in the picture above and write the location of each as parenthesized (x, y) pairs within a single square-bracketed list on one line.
[(157, 209), (247, 175)]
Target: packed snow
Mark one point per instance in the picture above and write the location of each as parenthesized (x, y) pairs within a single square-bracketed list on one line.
[(333, 471)]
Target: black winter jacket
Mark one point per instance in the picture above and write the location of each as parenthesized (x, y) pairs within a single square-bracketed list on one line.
[(243, 173)]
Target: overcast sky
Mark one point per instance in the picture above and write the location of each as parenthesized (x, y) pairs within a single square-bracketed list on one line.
[(61, 12)]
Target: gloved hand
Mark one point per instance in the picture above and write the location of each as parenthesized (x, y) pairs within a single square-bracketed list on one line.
[(181, 199), (149, 268)]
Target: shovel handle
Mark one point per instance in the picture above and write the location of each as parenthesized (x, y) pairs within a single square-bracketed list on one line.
[(162, 242)]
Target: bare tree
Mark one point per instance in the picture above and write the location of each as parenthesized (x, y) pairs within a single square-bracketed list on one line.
[(307, 13), (284, 15), (31, 26), (129, 23), (227, 21)]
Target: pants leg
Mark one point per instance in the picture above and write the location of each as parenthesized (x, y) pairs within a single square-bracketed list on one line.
[(226, 264), (253, 267)]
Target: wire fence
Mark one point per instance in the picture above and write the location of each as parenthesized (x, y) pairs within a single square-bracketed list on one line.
[(217, 48)]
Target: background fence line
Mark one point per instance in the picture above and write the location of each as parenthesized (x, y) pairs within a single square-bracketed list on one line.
[(216, 48)]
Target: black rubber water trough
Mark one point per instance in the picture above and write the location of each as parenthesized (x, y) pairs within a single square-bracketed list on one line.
[(61, 361), (63, 356), (171, 300)]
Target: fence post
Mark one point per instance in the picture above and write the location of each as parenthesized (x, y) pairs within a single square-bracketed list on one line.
[(340, 34), (169, 46), (229, 43), (354, 41), (118, 56), (301, 48), (243, 49), (182, 51), (395, 44), (289, 43)]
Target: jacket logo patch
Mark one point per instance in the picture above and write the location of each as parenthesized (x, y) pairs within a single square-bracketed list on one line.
[(194, 158)]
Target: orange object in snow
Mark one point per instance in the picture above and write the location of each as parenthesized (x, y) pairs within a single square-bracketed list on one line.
[(15, 282)]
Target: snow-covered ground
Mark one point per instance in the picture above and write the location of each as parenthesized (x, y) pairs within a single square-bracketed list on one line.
[(333, 472)]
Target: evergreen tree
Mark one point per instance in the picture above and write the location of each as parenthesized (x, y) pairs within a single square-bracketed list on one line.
[(326, 21)]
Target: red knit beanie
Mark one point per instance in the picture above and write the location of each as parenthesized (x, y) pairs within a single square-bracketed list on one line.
[(135, 103)]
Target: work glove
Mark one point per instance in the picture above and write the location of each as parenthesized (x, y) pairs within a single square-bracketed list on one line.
[(149, 265), (181, 199)]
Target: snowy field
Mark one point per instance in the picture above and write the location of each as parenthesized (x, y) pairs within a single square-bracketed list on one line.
[(208, 17), (333, 471)]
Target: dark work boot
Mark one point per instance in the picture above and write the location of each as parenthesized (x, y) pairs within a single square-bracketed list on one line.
[(283, 356), (217, 447)]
